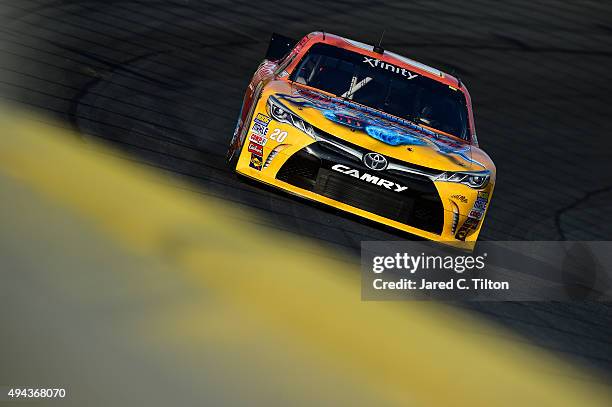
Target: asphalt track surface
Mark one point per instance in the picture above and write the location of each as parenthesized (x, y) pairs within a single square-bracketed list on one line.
[(164, 81)]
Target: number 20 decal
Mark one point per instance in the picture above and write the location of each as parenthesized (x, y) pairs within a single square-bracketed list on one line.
[(278, 135)]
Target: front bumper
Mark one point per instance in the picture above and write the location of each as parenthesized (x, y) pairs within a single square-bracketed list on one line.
[(339, 176), (403, 196)]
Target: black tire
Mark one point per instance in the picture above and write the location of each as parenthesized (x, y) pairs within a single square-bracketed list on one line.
[(232, 157)]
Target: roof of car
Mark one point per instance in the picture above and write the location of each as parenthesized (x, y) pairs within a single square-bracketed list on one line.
[(386, 56)]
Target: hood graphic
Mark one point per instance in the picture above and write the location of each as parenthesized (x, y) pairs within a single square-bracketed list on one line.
[(379, 125)]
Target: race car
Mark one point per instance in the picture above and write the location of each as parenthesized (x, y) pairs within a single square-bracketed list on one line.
[(367, 131)]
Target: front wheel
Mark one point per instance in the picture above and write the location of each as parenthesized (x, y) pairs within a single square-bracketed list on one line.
[(233, 152), (232, 157)]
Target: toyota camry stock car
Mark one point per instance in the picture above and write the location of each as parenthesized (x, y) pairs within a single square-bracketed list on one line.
[(366, 131)]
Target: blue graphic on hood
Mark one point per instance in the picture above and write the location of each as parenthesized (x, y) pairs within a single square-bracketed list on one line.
[(379, 125), (392, 137), (346, 118), (463, 153)]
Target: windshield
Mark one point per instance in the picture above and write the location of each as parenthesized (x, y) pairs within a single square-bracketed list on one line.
[(383, 86)]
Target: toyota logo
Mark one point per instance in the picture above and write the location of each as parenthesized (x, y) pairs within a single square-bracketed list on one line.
[(375, 161)]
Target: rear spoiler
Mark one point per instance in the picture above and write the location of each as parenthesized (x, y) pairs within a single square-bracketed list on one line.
[(279, 47)]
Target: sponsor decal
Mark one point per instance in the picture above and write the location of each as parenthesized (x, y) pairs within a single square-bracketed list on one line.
[(474, 217), (469, 225), (470, 222), (262, 118), (462, 233), (256, 138), (256, 148), (481, 203), (259, 128), (373, 179), (476, 214), (461, 198), (256, 161), (376, 63)]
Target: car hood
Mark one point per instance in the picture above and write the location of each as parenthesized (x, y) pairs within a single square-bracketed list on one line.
[(380, 132)]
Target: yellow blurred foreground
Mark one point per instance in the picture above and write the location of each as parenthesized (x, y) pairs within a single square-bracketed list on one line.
[(127, 290)]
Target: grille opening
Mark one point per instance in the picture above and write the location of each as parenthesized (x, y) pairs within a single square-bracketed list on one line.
[(419, 206), (363, 196), (301, 170)]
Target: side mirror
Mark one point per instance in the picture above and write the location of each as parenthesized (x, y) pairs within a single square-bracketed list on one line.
[(279, 47)]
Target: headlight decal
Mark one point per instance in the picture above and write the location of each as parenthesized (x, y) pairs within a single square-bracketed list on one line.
[(282, 114), (476, 180)]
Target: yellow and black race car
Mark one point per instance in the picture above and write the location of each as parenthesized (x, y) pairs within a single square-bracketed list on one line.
[(366, 131)]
